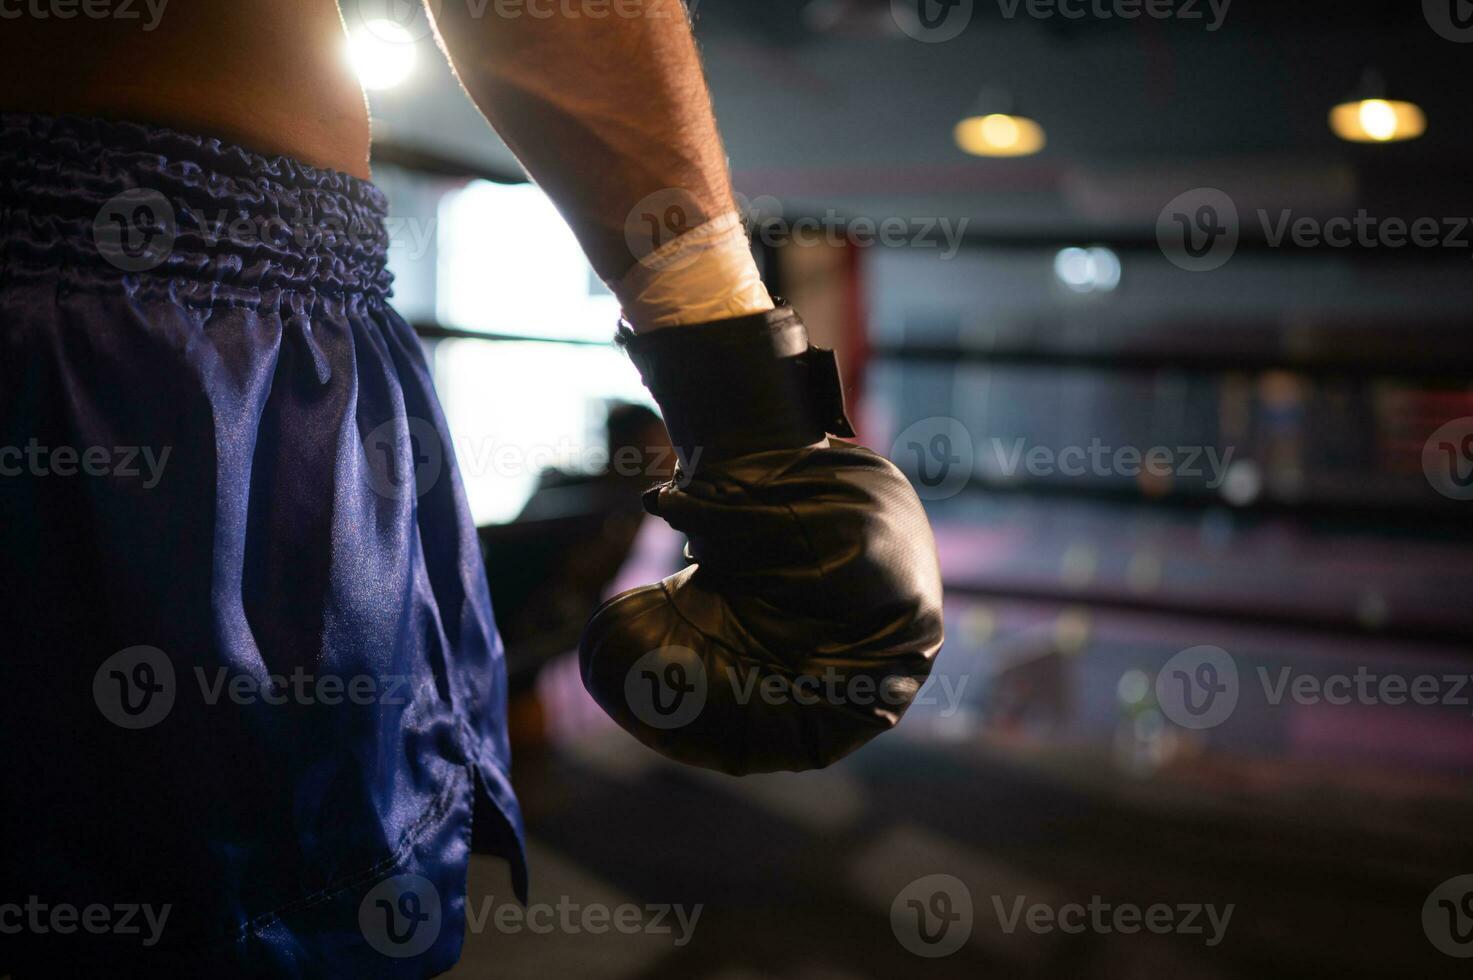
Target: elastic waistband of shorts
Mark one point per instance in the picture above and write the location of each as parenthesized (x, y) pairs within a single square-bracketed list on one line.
[(99, 198)]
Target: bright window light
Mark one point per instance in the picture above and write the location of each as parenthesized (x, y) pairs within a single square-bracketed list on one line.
[(516, 409), (508, 263)]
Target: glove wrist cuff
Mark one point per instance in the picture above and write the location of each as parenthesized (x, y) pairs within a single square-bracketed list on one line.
[(740, 386)]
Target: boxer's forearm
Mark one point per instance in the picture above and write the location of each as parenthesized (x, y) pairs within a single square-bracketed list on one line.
[(602, 111)]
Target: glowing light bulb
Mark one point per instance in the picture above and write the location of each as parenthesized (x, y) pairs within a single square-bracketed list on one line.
[(383, 54), (999, 135), (1378, 121), (1000, 130)]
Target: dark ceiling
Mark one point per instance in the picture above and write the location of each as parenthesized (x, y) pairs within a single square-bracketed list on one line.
[(829, 103)]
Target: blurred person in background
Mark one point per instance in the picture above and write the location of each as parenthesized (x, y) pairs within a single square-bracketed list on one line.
[(556, 561)]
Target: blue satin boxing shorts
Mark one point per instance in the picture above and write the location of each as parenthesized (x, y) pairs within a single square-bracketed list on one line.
[(252, 697)]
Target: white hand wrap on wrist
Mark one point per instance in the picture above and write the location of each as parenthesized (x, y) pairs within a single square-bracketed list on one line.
[(706, 274)]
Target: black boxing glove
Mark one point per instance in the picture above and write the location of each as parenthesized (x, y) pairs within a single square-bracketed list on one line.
[(812, 611)]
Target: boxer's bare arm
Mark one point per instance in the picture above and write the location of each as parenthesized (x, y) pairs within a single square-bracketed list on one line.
[(602, 111)]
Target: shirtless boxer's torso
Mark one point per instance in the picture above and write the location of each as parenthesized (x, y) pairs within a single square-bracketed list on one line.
[(271, 75)]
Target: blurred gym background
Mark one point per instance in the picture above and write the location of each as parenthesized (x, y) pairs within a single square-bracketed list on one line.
[(1049, 240)]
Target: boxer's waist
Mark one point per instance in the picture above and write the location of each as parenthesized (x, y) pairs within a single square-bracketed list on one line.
[(94, 198)]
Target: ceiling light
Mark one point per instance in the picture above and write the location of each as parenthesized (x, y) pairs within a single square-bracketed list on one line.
[(994, 128), (1377, 121), (383, 54), (1369, 117), (1000, 135)]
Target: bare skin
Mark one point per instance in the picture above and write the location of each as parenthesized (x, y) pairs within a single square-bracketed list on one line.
[(602, 111), (271, 75)]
